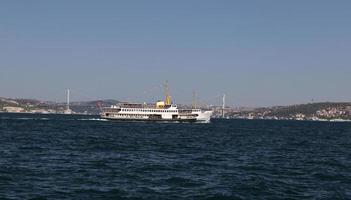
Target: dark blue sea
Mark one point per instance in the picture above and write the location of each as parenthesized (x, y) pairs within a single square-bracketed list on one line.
[(82, 157)]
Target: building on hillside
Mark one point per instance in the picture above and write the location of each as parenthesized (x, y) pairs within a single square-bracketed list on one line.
[(43, 111), (12, 109)]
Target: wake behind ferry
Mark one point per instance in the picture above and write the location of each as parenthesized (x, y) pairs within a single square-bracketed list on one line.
[(160, 111)]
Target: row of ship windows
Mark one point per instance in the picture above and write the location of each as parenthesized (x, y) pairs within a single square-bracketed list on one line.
[(140, 110), (130, 115)]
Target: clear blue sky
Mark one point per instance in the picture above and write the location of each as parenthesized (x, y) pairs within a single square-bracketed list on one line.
[(259, 53)]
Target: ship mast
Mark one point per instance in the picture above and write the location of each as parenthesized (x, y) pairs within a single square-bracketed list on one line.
[(194, 100), (68, 94), (168, 100), (68, 110), (223, 105)]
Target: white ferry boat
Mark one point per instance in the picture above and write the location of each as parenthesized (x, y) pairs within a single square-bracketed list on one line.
[(161, 111)]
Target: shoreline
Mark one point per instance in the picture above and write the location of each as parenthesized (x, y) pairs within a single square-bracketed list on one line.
[(337, 120)]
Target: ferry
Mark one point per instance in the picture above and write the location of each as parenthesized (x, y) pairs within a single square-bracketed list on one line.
[(163, 111)]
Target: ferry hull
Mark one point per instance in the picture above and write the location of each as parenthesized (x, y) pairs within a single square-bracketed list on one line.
[(171, 114), (154, 120)]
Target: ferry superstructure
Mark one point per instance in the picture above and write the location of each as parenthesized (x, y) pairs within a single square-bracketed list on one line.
[(161, 111)]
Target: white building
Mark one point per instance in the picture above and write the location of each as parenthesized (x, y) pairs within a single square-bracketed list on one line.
[(12, 109)]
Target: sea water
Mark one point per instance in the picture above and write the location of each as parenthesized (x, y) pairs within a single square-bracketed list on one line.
[(84, 157)]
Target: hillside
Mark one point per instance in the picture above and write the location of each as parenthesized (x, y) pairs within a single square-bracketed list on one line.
[(322, 110), (307, 109), (31, 105), (311, 111)]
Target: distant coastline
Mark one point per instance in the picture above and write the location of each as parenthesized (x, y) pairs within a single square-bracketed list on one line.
[(322, 111)]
